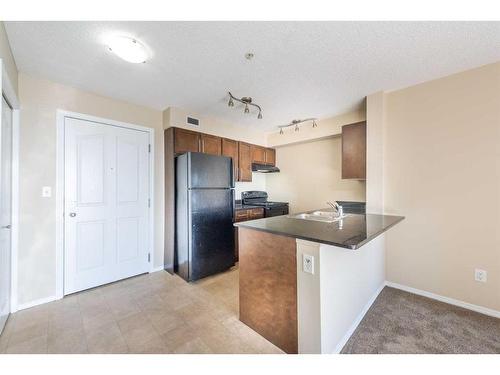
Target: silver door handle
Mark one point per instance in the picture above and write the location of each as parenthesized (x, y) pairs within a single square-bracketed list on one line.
[(6, 226), (72, 214)]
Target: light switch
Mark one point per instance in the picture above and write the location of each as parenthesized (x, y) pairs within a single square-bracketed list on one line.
[(46, 192), (308, 263)]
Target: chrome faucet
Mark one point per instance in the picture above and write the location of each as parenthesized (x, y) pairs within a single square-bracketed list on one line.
[(337, 208)]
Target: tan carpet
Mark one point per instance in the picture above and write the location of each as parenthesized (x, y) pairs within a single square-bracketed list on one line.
[(401, 322)]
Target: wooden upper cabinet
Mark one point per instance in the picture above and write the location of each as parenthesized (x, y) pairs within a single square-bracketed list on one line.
[(230, 148), (245, 162), (186, 140), (271, 156), (258, 154), (211, 144), (354, 151)]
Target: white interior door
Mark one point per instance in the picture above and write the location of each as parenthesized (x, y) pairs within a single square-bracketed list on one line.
[(5, 210), (106, 209)]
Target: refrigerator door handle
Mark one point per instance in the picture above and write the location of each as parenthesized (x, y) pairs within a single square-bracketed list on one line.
[(233, 205)]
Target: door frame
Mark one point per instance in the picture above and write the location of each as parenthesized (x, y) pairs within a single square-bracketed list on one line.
[(60, 188), (7, 90)]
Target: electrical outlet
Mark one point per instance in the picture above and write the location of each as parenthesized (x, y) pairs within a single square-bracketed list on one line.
[(308, 263), (480, 275), (46, 192)]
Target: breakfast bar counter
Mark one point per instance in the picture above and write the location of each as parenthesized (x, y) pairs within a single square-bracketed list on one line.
[(305, 279), (352, 232)]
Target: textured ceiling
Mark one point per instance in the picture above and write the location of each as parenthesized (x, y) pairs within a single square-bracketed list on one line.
[(300, 69)]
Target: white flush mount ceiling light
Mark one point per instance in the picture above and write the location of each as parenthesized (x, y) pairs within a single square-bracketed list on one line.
[(129, 49)]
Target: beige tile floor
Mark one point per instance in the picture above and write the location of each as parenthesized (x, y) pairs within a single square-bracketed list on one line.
[(155, 313)]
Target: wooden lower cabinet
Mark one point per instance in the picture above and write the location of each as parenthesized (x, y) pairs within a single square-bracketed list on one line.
[(245, 215), (268, 286)]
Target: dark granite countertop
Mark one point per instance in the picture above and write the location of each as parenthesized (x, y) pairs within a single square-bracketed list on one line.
[(356, 229)]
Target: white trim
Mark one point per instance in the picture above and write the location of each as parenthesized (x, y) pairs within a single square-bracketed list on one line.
[(7, 89), (15, 209), (37, 302), (451, 301), (358, 320), (61, 115), (160, 268)]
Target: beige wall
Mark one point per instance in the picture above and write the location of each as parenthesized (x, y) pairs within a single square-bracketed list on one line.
[(442, 171), (39, 101), (311, 175), (173, 116), (7, 58), (326, 128), (375, 113)]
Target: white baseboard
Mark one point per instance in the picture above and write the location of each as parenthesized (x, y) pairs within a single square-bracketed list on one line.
[(358, 320), (451, 301), (37, 302), (156, 269)]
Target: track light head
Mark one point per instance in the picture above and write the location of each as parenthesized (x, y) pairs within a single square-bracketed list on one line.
[(314, 124), (230, 103), (247, 110), (281, 130), (259, 116)]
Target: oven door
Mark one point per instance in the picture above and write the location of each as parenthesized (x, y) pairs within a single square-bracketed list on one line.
[(276, 211)]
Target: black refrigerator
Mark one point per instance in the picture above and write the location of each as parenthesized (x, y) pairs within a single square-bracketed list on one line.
[(204, 242)]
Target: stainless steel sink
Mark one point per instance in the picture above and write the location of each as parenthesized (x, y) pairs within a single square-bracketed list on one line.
[(320, 215)]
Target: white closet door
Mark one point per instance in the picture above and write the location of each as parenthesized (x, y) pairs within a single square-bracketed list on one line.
[(106, 204), (5, 210)]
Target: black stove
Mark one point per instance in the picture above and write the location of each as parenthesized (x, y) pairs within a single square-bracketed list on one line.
[(259, 198)]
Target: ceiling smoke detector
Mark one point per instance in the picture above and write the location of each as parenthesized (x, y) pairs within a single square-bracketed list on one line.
[(249, 56)]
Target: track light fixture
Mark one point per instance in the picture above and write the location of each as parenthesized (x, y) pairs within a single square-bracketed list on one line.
[(296, 124), (244, 100)]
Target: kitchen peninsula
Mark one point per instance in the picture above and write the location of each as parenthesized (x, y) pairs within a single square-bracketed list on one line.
[(306, 283)]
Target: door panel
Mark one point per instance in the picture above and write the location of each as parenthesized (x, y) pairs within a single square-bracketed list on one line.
[(211, 144), (127, 171), (106, 204), (210, 171), (128, 230), (90, 246), (354, 151), (245, 162), (258, 154), (230, 149), (271, 156), (185, 141), (212, 240), (91, 164), (5, 210)]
